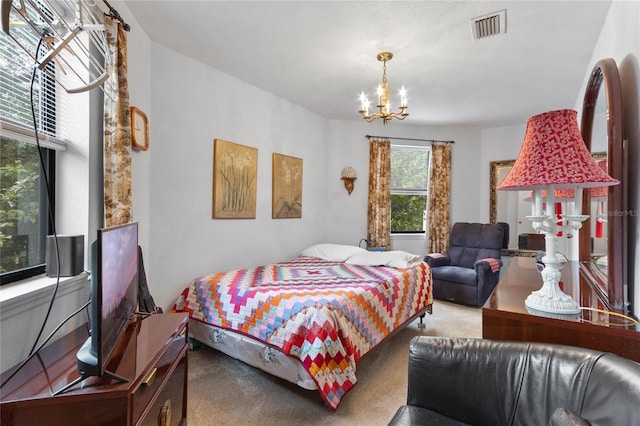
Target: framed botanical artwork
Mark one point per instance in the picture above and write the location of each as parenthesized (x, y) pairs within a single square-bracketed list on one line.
[(287, 187), (235, 180)]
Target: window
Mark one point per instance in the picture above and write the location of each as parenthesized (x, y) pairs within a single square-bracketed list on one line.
[(24, 218), (409, 188)]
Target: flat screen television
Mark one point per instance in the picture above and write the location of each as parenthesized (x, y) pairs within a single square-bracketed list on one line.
[(114, 296)]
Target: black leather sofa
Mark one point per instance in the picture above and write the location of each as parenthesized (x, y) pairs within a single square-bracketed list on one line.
[(460, 381)]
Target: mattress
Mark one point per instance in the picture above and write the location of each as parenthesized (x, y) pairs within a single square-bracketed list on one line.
[(253, 352), (307, 320)]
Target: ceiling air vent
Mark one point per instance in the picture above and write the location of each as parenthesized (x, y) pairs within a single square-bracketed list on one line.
[(489, 25)]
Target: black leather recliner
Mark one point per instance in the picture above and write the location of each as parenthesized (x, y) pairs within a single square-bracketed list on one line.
[(464, 381), (469, 271)]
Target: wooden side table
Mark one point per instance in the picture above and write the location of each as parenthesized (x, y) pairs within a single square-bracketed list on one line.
[(505, 317), (152, 355)]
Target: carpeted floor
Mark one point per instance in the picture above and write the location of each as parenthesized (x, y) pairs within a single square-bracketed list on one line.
[(225, 391)]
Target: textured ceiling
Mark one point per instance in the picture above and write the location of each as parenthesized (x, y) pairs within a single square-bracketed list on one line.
[(322, 54)]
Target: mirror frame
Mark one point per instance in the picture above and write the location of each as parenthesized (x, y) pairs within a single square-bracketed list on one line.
[(493, 183), (611, 289), (493, 205)]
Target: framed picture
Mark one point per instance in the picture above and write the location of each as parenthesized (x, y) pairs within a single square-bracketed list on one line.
[(235, 180), (287, 187)]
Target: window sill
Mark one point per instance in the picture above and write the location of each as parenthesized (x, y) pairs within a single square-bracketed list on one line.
[(22, 311), (31, 289), (408, 236)]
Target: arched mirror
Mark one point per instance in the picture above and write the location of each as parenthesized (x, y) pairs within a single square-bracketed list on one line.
[(606, 273)]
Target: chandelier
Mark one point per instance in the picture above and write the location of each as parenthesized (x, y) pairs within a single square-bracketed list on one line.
[(383, 92)]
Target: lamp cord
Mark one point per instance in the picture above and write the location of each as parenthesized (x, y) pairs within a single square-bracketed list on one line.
[(49, 206), (632, 321)]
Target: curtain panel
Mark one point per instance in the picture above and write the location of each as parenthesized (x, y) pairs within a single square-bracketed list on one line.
[(379, 204), (439, 199), (117, 130)]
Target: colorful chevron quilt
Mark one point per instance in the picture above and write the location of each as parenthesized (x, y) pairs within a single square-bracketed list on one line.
[(326, 314)]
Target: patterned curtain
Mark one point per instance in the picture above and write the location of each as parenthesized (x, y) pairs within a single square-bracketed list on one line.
[(439, 198), (379, 208), (117, 130)]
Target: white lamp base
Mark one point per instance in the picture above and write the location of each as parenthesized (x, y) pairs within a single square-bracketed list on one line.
[(564, 305), (551, 298)]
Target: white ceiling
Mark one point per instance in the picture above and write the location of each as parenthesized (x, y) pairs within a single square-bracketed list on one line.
[(322, 54)]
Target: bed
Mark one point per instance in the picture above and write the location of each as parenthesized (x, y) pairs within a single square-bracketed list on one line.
[(310, 320)]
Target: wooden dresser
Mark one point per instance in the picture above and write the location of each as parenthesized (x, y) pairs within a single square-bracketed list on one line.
[(505, 317), (152, 355)]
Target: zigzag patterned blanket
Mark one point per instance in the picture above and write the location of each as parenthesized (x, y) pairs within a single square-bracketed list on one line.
[(326, 314)]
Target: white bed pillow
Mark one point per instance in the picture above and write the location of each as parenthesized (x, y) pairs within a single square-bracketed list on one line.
[(395, 258), (332, 252)]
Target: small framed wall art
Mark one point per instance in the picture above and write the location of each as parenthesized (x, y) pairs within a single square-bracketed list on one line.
[(139, 129), (286, 187), (235, 180)]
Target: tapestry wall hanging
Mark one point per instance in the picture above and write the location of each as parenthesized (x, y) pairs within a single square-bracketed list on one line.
[(235, 180), (287, 187)]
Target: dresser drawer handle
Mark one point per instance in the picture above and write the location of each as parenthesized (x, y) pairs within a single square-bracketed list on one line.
[(164, 418), (149, 379)]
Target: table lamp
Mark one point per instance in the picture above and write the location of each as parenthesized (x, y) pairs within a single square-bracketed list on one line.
[(553, 157)]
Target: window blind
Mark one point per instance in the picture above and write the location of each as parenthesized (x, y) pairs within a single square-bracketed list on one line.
[(16, 69)]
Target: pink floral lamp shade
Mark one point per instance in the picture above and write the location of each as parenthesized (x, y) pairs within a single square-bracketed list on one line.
[(554, 153), (600, 192)]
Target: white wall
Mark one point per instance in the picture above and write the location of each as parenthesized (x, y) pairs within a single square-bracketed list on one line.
[(191, 105), (139, 75), (620, 40)]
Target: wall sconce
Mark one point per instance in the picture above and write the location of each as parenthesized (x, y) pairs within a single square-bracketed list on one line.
[(349, 175)]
